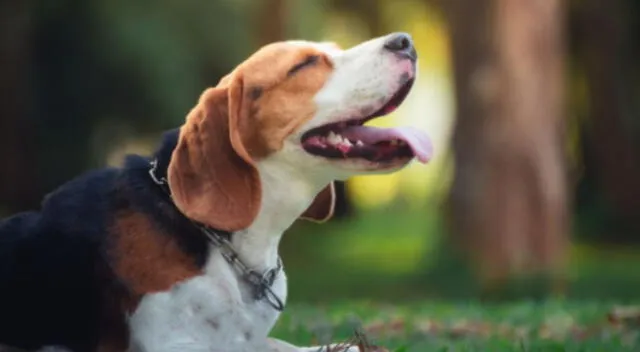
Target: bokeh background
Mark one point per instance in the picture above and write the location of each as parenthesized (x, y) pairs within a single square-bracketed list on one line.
[(533, 107)]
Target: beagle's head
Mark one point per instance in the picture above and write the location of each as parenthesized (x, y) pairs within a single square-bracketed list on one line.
[(302, 106)]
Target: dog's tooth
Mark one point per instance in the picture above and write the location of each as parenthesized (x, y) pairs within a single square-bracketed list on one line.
[(359, 143), (347, 142), (333, 138), (393, 142)]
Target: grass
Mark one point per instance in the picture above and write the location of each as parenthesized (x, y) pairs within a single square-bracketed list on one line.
[(447, 326), (396, 253), (394, 256)]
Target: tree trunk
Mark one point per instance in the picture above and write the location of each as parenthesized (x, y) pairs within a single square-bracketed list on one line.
[(607, 42), (508, 201), (17, 172), (272, 21)]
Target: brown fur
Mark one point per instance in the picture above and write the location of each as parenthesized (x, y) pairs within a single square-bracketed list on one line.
[(148, 260), (212, 179), (212, 174)]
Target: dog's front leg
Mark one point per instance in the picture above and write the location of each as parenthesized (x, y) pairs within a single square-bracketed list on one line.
[(281, 346)]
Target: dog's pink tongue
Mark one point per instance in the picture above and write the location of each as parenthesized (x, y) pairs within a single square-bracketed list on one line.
[(419, 142)]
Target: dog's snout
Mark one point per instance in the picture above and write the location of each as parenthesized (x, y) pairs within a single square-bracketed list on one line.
[(401, 44)]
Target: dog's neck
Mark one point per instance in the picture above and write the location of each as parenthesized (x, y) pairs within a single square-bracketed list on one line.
[(287, 192)]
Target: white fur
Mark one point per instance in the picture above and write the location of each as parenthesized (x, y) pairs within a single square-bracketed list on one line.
[(216, 311)]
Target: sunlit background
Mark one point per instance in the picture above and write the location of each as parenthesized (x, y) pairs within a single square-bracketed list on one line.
[(536, 199)]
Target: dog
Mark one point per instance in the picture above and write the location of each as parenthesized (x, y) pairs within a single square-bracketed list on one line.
[(178, 252)]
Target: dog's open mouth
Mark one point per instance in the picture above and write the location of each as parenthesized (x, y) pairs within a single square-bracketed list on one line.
[(351, 139)]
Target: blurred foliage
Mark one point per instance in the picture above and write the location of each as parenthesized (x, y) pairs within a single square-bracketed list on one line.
[(105, 77), (385, 255)]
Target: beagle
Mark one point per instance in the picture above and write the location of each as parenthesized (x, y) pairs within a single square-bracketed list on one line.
[(179, 252)]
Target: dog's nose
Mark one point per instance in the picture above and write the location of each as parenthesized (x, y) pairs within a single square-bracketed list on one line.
[(401, 44)]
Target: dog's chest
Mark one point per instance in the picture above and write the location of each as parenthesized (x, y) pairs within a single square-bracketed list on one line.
[(206, 313)]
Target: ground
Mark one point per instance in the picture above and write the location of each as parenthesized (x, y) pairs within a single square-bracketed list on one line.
[(448, 326)]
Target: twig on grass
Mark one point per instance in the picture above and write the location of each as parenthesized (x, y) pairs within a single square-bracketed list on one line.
[(359, 339)]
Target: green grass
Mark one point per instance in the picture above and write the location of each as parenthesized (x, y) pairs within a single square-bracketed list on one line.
[(395, 255), (446, 326), (397, 252)]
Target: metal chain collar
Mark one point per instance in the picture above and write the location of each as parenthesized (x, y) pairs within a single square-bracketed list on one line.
[(261, 283)]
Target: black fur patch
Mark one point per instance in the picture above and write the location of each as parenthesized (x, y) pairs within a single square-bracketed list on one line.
[(55, 264)]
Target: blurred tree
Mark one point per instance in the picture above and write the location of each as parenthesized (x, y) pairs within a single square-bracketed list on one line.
[(508, 201), (272, 21), (79, 77), (16, 131), (607, 48)]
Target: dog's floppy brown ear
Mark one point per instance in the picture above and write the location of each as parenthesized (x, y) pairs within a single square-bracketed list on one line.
[(212, 178), (323, 205)]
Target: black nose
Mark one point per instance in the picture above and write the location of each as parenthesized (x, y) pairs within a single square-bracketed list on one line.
[(401, 44)]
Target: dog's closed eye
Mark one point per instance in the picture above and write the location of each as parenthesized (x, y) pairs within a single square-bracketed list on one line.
[(307, 62)]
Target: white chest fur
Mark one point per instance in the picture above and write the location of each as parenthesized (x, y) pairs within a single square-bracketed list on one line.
[(217, 312), (213, 312)]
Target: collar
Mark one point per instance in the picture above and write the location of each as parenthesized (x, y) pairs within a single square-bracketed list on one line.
[(260, 282)]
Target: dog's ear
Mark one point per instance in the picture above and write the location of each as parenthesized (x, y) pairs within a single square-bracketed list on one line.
[(212, 177), (322, 207)]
